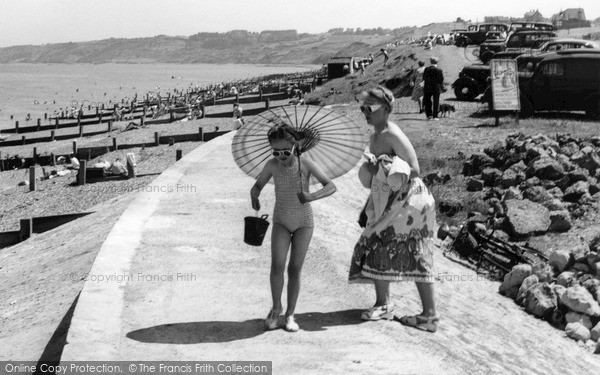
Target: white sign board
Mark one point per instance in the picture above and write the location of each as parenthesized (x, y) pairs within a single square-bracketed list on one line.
[(505, 85)]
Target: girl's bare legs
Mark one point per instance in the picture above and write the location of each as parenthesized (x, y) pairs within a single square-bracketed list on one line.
[(300, 241), (427, 294), (280, 243)]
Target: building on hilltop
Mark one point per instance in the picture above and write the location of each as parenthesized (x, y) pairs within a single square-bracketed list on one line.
[(534, 16), (570, 18)]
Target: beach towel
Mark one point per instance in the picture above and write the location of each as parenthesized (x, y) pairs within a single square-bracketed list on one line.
[(396, 244)]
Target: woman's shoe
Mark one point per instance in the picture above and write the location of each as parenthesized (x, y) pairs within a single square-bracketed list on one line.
[(379, 312), (424, 323), (271, 321), (291, 325)]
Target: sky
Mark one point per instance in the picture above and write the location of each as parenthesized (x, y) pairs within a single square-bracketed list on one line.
[(60, 21)]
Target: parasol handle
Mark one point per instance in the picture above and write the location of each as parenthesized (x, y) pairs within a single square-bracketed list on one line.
[(300, 171)]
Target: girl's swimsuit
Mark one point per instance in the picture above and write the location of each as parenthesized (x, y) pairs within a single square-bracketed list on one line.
[(288, 211)]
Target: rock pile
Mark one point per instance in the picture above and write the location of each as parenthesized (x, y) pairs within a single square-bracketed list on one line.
[(565, 292), (537, 184)]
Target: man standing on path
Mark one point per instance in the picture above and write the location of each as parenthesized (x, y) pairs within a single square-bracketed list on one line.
[(434, 81), (237, 115)]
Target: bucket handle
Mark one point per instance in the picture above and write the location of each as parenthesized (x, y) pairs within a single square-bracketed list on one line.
[(264, 216)]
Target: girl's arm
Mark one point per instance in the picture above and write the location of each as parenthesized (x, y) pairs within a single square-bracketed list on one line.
[(260, 183), (328, 185)]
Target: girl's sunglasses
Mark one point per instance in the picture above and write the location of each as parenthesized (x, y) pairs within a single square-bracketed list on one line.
[(285, 153), (370, 108)]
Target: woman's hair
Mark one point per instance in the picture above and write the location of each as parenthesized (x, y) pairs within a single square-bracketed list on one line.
[(383, 95), (421, 63)]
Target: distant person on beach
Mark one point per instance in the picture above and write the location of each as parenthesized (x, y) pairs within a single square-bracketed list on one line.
[(418, 84), (292, 217), (237, 115), (396, 244), (385, 56)]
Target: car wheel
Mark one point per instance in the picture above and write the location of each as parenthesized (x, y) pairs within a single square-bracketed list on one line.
[(593, 108), (465, 91)]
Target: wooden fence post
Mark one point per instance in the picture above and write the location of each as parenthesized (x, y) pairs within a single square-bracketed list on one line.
[(74, 147), (178, 154), (156, 139), (81, 172), (31, 178), (16, 127), (115, 144), (52, 136), (23, 140), (267, 103), (34, 156), (203, 109), (26, 229), (39, 124), (200, 135), (130, 165)]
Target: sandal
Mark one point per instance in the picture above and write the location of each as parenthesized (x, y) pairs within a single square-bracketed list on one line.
[(424, 323), (291, 325), (379, 312), (271, 321)]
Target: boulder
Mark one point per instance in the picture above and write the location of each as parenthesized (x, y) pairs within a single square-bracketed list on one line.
[(559, 290), (557, 318), (526, 217), (595, 244), (518, 166), (566, 279), (529, 281), (563, 183), (543, 271), (569, 149), (478, 162), (530, 182), (580, 251), (513, 279), (555, 204), (559, 259), (556, 192), (578, 299), (578, 332), (592, 286), (509, 178), (595, 332), (574, 317), (474, 184), (512, 193), (560, 221), (579, 174), (540, 300), (590, 161), (490, 175), (546, 169), (537, 194), (597, 350), (576, 191), (450, 207), (581, 267)]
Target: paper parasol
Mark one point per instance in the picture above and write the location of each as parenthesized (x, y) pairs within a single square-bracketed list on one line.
[(331, 140)]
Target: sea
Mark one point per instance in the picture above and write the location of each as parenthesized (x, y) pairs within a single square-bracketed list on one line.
[(31, 91)]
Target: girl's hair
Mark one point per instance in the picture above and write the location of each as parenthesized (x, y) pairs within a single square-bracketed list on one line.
[(283, 131)]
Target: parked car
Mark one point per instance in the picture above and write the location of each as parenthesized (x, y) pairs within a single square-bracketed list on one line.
[(519, 42), (477, 34), (562, 81), (558, 44), (471, 81)]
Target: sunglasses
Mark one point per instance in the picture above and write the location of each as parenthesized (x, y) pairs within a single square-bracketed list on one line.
[(285, 153), (370, 108)]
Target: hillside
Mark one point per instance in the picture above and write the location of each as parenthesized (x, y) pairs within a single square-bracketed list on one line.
[(276, 47)]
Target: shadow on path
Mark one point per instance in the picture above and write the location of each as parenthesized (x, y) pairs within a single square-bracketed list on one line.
[(224, 331)]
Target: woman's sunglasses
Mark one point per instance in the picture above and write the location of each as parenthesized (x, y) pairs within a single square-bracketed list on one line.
[(370, 108), (285, 153)]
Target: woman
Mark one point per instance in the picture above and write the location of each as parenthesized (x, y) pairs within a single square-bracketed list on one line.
[(396, 242), (418, 84)]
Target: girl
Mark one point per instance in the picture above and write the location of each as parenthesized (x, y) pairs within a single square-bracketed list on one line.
[(292, 216), (396, 242)]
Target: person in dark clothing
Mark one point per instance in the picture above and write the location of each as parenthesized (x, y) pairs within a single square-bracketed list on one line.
[(433, 77)]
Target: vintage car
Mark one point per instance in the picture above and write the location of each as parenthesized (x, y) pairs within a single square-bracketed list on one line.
[(549, 46), (566, 80), (477, 34), (520, 41)]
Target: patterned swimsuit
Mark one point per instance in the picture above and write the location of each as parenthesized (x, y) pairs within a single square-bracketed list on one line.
[(288, 211)]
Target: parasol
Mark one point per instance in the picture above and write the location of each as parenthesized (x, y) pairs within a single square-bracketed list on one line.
[(331, 140)]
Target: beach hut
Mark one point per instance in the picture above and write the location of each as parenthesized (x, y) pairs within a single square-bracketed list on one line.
[(339, 67)]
